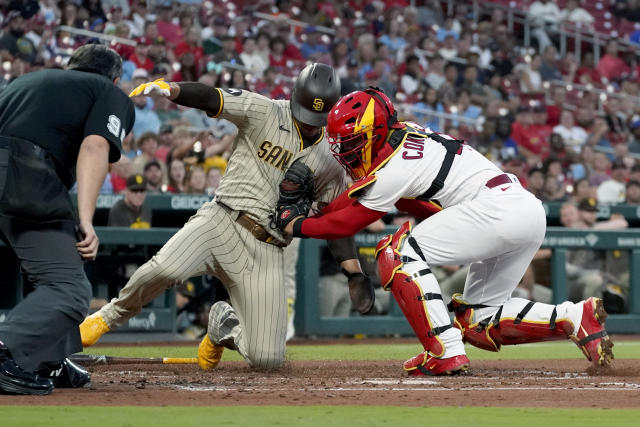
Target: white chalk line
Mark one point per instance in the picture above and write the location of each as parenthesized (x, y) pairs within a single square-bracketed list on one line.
[(626, 387)]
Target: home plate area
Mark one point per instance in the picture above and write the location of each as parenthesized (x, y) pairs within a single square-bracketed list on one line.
[(519, 383)]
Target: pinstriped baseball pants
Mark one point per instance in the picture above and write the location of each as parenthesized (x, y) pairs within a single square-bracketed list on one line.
[(211, 242)]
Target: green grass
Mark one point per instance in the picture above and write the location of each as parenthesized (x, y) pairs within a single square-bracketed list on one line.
[(312, 416), (551, 350)]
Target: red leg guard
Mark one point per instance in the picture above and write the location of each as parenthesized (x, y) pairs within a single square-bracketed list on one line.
[(410, 298), (491, 334)]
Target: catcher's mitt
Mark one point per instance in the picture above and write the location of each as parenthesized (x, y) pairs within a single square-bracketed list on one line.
[(297, 185)]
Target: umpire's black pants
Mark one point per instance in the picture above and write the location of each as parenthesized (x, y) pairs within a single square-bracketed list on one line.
[(44, 326)]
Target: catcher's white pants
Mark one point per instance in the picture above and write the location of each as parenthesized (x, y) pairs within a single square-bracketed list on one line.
[(497, 233)]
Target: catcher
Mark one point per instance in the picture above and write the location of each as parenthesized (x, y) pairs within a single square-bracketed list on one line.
[(278, 159), (483, 217)]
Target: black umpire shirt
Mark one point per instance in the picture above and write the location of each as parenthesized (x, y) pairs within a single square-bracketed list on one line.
[(56, 109)]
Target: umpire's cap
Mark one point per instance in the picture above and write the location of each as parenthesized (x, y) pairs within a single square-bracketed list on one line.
[(96, 58), (315, 91)]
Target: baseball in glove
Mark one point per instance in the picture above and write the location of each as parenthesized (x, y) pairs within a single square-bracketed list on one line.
[(296, 185)]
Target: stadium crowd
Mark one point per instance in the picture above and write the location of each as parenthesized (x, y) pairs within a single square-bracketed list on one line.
[(568, 126)]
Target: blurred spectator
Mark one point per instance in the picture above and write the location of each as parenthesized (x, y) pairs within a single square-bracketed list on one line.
[(447, 30), (543, 15), (582, 190), (153, 174), (313, 47), (536, 182), (148, 144), (352, 81), (177, 176), (615, 117), (610, 65), (612, 191), (632, 194), (587, 72), (577, 15), (270, 86), (251, 59), (553, 191), (120, 170), (189, 71), (466, 109), (191, 44), (130, 211), (277, 58), (549, 69), (228, 52), (531, 134), (410, 81), (435, 75), (447, 90), (13, 43), (627, 9), (449, 49), (380, 76), (502, 62), (573, 136), (140, 55), (429, 103), (196, 180), (171, 32), (634, 144), (600, 166), (529, 75)]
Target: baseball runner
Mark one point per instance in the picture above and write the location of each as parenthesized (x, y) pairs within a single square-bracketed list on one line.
[(487, 219), (278, 157)]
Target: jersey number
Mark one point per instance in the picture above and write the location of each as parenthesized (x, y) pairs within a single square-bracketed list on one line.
[(113, 125)]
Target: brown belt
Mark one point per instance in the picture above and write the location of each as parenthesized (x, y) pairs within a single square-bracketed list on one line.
[(254, 228)]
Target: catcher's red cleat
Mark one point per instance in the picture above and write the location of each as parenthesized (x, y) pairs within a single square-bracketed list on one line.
[(425, 364), (591, 337)]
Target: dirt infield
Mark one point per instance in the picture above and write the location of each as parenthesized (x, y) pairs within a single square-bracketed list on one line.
[(549, 383)]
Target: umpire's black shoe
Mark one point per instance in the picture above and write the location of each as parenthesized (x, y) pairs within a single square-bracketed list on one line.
[(65, 374), (15, 380)]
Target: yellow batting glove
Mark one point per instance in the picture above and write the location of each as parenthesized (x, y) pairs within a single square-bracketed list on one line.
[(156, 87)]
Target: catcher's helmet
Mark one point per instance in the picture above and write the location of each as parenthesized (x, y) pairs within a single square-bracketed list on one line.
[(315, 91), (357, 129)]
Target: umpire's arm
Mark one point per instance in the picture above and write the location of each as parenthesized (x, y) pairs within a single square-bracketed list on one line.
[(91, 170)]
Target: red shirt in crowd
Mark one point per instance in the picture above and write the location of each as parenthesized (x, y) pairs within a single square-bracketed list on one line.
[(147, 64), (534, 138), (171, 32), (184, 47), (612, 67)]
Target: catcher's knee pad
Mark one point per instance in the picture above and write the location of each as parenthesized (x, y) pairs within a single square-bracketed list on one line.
[(388, 254), (513, 323)]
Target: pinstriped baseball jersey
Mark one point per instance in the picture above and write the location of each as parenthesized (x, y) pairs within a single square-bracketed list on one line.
[(213, 242), (268, 142)]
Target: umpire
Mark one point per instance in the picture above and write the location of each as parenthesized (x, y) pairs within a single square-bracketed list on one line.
[(56, 127)]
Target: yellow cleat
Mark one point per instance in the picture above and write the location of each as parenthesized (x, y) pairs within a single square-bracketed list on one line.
[(209, 353), (92, 328)]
